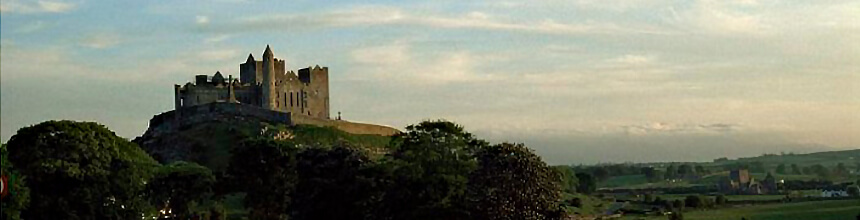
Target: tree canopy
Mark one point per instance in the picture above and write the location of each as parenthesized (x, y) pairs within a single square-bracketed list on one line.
[(80, 170)]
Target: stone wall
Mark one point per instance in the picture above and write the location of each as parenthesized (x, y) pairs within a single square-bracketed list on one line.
[(349, 127), (223, 111)]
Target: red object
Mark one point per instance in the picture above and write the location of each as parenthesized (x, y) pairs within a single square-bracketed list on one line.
[(5, 186)]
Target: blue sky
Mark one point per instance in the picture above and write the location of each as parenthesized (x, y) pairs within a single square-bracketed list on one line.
[(580, 81)]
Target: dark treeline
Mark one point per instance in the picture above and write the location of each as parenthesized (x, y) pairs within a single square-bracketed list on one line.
[(434, 170)]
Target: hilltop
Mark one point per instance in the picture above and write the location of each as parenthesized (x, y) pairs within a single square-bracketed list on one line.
[(209, 143)]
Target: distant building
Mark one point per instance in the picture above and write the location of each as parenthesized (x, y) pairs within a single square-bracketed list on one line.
[(833, 193), (741, 182)]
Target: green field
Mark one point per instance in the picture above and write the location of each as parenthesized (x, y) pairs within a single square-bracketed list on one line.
[(824, 210)]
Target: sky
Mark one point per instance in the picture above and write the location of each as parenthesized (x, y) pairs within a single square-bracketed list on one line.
[(579, 81)]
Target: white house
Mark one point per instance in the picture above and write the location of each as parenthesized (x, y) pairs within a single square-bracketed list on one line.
[(833, 193)]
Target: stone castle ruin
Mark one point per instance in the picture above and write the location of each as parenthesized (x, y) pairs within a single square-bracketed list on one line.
[(265, 84), (264, 91)]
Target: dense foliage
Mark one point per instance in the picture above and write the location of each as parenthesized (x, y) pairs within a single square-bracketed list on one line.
[(336, 183), (434, 170), (265, 170), (80, 170), (180, 187), (513, 183)]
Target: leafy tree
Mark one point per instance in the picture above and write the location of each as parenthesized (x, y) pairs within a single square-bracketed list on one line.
[(587, 183), (780, 169), (265, 170), (179, 187), (19, 195), (430, 164), (796, 169), (80, 170), (335, 183), (513, 183), (568, 181)]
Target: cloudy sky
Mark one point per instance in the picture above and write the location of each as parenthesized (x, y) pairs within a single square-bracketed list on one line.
[(580, 81)]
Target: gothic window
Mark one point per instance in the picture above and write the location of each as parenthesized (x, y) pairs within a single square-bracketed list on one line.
[(291, 99)]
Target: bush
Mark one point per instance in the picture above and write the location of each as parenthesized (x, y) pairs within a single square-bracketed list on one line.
[(695, 201), (721, 200)]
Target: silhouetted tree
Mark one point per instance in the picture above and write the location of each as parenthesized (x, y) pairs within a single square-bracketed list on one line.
[(430, 164), (587, 183), (80, 170), (336, 183), (513, 183), (853, 191), (180, 186), (265, 170)]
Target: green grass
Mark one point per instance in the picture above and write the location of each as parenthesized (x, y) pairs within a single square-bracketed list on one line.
[(619, 181), (823, 210)]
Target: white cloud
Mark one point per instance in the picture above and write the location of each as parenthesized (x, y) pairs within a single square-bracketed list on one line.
[(26, 7), (398, 62), (201, 19), (217, 38), (218, 55), (372, 16), (101, 41)]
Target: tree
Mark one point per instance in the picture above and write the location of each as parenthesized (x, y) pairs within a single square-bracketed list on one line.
[(780, 169), (853, 191), (513, 183), (821, 171), (686, 171), (19, 195), (179, 187), (679, 205), (701, 170), (676, 216), (648, 198), (671, 172), (336, 183), (80, 170), (567, 177), (694, 201), (587, 183), (721, 200), (796, 169), (265, 170), (600, 173), (429, 166)]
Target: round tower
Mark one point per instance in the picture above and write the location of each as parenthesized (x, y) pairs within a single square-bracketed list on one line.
[(268, 79)]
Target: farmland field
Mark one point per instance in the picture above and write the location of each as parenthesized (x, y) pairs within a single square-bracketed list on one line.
[(823, 210)]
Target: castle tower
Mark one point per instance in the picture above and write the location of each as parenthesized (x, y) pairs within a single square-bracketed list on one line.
[(268, 89)]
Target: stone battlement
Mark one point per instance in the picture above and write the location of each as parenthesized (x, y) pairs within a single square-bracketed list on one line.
[(227, 112)]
